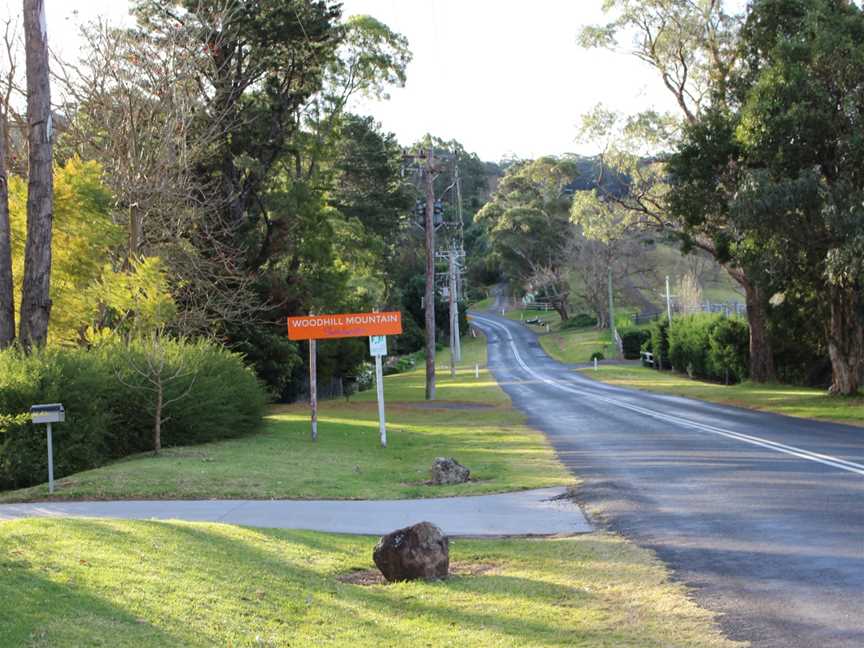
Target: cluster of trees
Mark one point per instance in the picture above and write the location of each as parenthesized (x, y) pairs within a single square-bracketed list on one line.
[(537, 243), (211, 180), (772, 171), (760, 168)]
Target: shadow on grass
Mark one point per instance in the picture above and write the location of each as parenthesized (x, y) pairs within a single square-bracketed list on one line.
[(39, 612), (328, 592)]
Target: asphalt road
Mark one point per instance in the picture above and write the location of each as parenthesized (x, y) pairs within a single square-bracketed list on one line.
[(761, 514)]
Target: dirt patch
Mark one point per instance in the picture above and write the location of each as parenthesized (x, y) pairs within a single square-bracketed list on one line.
[(569, 494), (370, 577)]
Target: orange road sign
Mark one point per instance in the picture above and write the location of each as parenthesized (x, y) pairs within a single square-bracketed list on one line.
[(322, 327)]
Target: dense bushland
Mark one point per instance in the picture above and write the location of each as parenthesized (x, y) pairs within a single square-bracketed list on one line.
[(109, 399)]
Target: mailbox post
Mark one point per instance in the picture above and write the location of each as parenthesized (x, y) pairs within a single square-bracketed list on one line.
[(47, 415)]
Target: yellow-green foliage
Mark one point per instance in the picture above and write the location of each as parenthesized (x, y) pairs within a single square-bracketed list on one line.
[(82, 276), (139, 301), (83, 233)]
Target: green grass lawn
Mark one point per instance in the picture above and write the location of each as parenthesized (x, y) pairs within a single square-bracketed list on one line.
[(483, 304), (565, 345), (577, 345), (545, 316), (346, 462), (784, 399), (125, 584)]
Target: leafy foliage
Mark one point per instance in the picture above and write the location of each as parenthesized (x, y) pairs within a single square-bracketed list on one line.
[(527, 221), (632, 340), (709, 346), (773, 173), (107, 408), (659, 343), (580, 320), (83, 234)]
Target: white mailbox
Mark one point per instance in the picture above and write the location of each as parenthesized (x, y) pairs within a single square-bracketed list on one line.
[(46, 415), (50, 413)]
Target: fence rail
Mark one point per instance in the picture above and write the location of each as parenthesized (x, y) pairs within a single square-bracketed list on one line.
[(541, 306), (725, 309)]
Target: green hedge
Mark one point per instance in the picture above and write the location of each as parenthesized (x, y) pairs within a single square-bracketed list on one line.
[(632, 341), (658, 343), (580, 320), (709, 346), (108, 410)]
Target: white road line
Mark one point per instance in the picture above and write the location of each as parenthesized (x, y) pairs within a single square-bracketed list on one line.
[(827, 460)]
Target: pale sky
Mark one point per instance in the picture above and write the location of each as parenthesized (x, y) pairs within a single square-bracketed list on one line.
[(505, 78)]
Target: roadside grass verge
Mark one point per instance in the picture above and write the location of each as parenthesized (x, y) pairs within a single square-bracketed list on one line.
[(154, 584), (802, 402), (565, 345), (577, 345), (545, 316), (472, 420), (483, 304)]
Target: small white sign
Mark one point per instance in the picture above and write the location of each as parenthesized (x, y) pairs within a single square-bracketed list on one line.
[(378, 345)]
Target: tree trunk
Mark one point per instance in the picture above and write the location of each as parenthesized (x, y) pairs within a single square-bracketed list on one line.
[(761, 353), (35, 298), (845, 342), (560, 306), (7, 296)]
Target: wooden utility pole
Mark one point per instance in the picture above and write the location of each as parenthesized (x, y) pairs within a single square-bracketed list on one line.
[(429, 301), (35, 298), (612, 330), (455, 342), (7, 298)]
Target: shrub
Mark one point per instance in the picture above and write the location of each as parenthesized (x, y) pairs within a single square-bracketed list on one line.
[(729, 352), (597, 355), (582, 320), (274, 357), (632, 340), (108, 411), (412, 338), (401, 364), (659, 343), (688, 344), (709, 346)]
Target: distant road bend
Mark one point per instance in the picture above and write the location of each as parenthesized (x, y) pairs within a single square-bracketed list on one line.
[(761, 514)]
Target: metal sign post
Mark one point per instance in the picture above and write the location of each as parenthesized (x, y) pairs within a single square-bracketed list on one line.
[(50, 461), (313, 386), (48, 414), (378, 348), (344, 325)]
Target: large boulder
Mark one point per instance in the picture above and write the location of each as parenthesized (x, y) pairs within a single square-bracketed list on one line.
[(415, 552), (449, 471)]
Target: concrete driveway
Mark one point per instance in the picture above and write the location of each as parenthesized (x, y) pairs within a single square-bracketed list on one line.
[(534, 512)]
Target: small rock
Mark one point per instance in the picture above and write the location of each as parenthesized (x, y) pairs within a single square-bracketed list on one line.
[(415, 552), (449, 471)]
